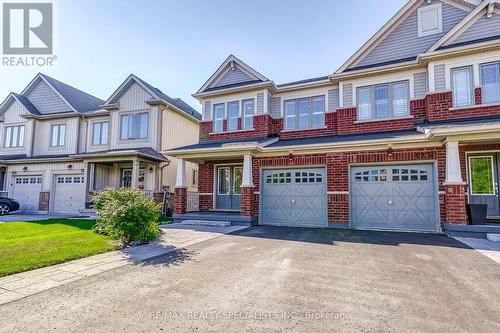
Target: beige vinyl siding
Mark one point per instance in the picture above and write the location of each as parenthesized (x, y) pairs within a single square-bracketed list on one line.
[(482, 28), (46, 100), (260, 104), (207, 110), (333, 99), (439, 77), (347, 95), (420, 85), (132, 101), (12, 116), (43, 133), (403, 42), (46, 170), (275, 109)]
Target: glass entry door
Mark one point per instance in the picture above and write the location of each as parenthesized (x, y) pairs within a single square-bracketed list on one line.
[(483, 181), (228, 187)]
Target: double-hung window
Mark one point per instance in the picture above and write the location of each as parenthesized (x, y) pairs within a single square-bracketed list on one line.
[(58, 135), (233, 113), (14, 136), (490, 83), (219, 113), (100, 133), (134, 126), (248, 111), (383, 101), (461, 83), (304, 113)]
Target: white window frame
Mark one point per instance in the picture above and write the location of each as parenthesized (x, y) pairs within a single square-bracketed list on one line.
[(247, 118), (129, 128), (295, 117), (101, 140), (14, 136), (218, 120), (60, 133), (438, 8), (229, 115), (481, 78), (471, 86), (492, 174), (194, 180), (390, 101)]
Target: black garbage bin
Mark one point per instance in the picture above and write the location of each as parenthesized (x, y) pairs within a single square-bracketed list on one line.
[(477, 213)]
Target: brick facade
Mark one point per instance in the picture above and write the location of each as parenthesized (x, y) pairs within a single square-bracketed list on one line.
[(455, 204), (180, 200), (247, 201), (44, 201)]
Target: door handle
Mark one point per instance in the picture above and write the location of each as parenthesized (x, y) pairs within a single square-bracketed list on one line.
[(390, 202), (496, 190), (293, 201)]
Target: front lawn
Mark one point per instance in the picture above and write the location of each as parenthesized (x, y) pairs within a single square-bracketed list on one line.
[(29, 245)]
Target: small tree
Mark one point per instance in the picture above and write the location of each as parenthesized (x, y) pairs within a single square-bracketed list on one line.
[(127, 215)]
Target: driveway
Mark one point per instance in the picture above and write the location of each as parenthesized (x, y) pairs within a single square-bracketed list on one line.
[(281, 279)]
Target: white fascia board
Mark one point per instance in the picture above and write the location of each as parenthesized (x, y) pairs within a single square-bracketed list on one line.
[(453, 130), (269, 84)]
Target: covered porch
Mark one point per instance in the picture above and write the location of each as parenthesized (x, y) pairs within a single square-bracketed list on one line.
[(123, 169)]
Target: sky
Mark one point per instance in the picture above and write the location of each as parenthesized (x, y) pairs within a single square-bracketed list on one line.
[(177, 45)]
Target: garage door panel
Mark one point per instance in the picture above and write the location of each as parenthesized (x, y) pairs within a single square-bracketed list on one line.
[(69, 195), (27, 191), (294, 197), (393, 197)]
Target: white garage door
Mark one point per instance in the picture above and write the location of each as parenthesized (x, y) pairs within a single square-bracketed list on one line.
[(394, 197), (294, 197), (69, 196), (27, 192)]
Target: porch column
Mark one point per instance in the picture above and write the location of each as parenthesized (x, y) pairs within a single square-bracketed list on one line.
[(86, 167), (180, 190), (455, 193), (135, 173), (247, 188)]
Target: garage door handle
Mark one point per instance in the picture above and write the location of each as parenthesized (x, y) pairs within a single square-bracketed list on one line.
[(390, 202), (293, 201)]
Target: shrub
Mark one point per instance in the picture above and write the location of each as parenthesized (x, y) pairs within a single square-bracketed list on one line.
[(127, 215)]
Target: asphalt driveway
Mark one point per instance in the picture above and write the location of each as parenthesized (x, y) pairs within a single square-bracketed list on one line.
[(281, 279)]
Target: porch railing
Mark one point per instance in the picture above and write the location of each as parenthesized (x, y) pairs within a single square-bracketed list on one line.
[(193, 201)]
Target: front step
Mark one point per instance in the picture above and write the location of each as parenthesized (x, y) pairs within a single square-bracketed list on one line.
[(207, 223), (493, 237)]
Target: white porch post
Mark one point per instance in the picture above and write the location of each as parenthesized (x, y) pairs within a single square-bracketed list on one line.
[(247, 171), (453, 172), (135, 173), (180, 180)]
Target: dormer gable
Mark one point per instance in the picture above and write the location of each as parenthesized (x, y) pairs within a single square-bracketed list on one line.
[(232, 73), (412, 31), (25, 104)]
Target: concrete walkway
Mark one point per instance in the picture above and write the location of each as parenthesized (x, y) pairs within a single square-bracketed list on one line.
[(483, 246), (174, 236)]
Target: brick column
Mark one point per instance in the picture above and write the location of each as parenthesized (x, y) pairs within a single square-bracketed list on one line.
[(180, 200), (478, 96), (455, 201), (43, 201), (247, 208)]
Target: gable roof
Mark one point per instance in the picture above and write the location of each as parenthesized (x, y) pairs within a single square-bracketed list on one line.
[(478, 12), (77, 100), (176, 103), (403, 14), (22, 100), (248, 75)]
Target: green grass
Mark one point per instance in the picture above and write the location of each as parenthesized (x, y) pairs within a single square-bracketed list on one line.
[(29, 245), (166, 219)]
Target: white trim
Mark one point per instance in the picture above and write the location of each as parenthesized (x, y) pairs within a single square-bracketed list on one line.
[(438, 8), (453, 170), (469, 174)]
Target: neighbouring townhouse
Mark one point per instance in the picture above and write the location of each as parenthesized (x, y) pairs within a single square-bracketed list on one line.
[(59, 144), (401, 137)]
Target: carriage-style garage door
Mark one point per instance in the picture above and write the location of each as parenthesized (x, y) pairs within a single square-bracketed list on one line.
[(402, 197), (69, 195), (294, 197)]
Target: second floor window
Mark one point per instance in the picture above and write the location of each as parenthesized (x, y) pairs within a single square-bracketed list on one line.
[(383, 101), (248, 110), (490, 83), (100, 133), (233, 113), (134, 126), (57, 136), (14, 136), (461, 82), (219, 113), (305, 113)]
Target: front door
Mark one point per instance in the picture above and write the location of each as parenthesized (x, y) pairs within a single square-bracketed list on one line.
[(126, 178), (228, 187), (484, 170)]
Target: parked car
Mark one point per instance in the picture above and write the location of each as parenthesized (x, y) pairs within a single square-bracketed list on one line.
[(8, 205)]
